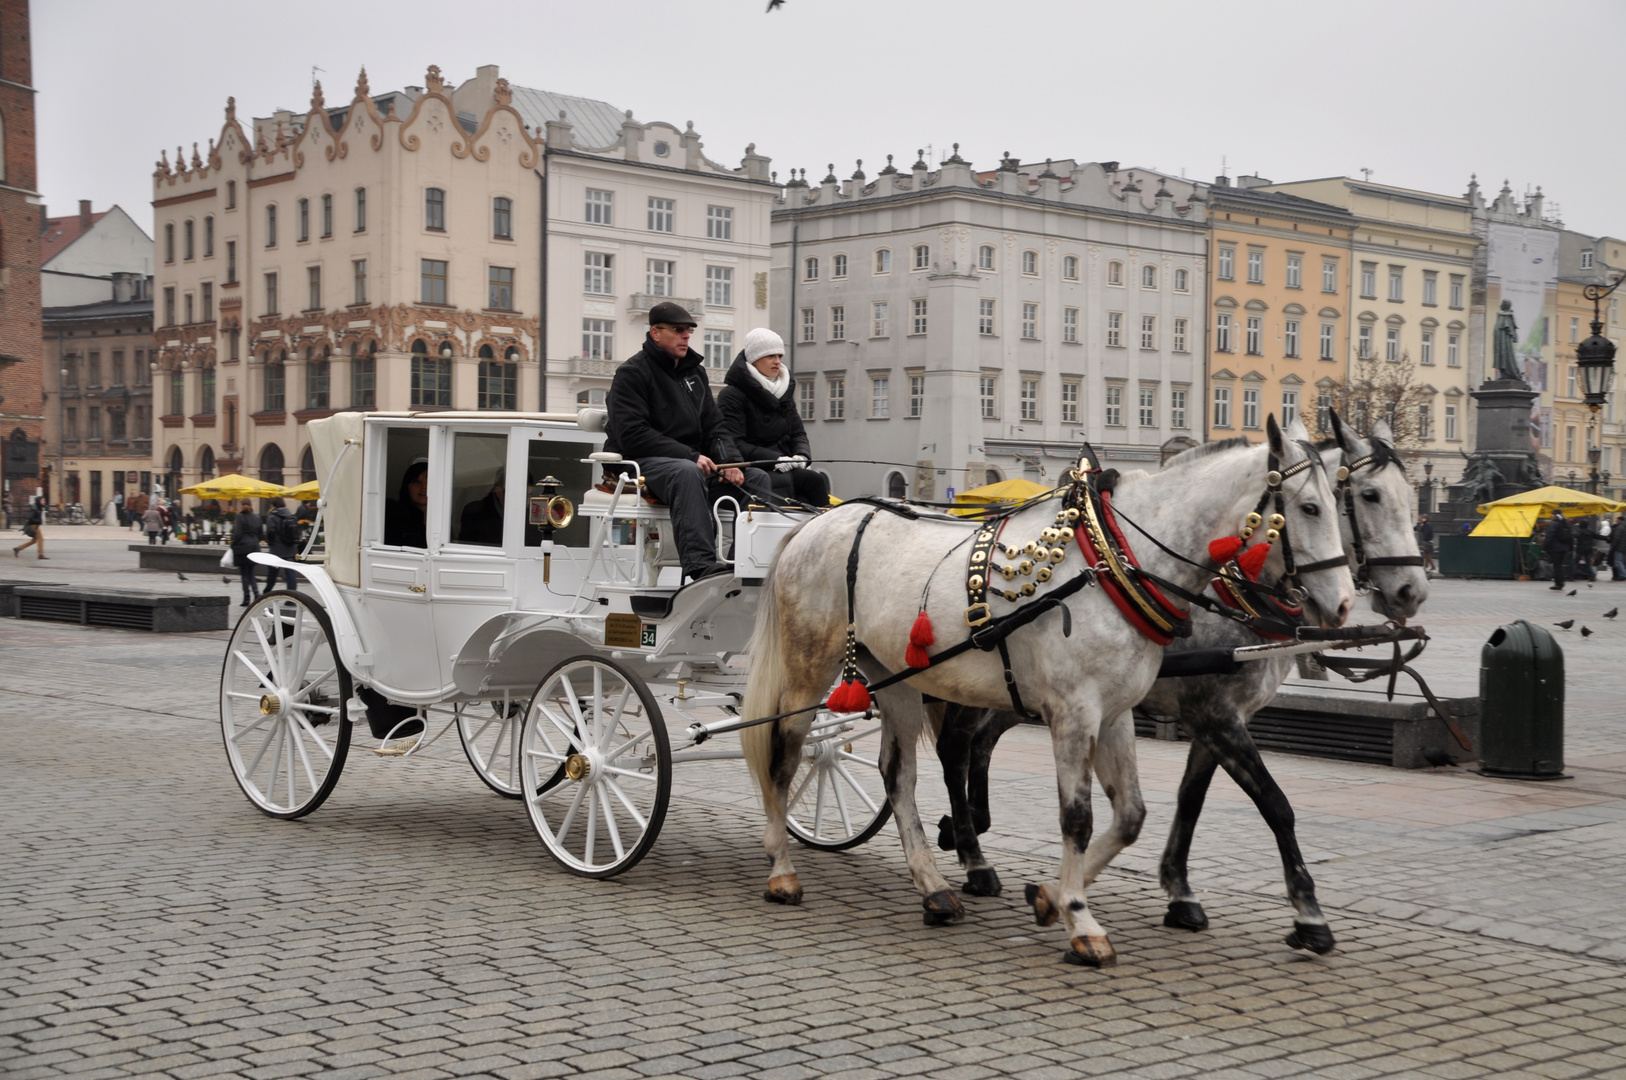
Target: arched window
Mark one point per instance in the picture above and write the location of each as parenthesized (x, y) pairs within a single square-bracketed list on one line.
[(304, 222), (896, 487), (1069, 267), (1030, 263), (317, 377), (271, 464), (271, 225), (923, 257), (188, 243), (992, 476), (502, 218), (499, 381), (1148, 276), (985, 257), (363, 373), (434, 209), (206, 463), (432, 376), (1115, 273), (307, 466), (810, 268)]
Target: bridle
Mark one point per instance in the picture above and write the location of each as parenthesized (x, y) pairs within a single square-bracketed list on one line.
[(1275, 496), (1378, 458)]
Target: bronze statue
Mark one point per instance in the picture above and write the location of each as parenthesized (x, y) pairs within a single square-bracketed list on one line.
[(1505, 345), (1479, 480)]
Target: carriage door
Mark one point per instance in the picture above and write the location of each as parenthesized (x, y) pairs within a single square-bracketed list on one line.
[(472, 571), (396, 627)]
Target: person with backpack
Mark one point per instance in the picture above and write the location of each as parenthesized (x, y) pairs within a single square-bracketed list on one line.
[(32, 528), (282, 537), (1558, 543)]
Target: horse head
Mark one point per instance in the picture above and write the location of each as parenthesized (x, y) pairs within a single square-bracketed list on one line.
[(1310, 509), (1382, 504)]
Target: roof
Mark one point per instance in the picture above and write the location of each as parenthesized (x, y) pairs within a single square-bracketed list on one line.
[(102, 309), (594, 123), (1278, 199), (62, 231)]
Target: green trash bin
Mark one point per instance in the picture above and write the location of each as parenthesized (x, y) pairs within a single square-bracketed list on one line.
[(1521, 704)]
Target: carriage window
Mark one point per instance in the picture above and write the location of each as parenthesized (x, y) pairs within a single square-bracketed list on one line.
[(479, 487), (563, 461), (406, 487)]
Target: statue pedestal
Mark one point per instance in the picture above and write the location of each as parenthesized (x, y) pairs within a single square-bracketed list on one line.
[(1503, 435)]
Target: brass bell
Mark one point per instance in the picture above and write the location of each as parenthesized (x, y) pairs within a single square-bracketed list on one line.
[(1025, 568), (1253, 520), (1008, 570), (1028, 589), (1048, 536), (1011, 594), (1067, 535), (978, 556), (1271, 536), (1277, 521), (1010, 550), (1273, 478), (1043, 574), (975, 581), (1058, 554), (1247, 532), (1072, 514)]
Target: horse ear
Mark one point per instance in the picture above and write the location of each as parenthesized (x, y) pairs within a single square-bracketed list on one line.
[(1345, 435), (1382, 432), (1273, 435), (1296, 431)]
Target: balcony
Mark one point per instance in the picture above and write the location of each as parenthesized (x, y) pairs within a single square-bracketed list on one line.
[(640, 303)]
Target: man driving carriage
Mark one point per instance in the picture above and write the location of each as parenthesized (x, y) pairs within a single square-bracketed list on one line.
[(662, 415)]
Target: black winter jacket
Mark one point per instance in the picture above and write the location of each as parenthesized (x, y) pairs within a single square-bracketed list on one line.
[(246, 533), (760, 426), (658, 409)]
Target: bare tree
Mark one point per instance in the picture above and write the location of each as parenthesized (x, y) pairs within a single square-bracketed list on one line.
[(1380, 389)]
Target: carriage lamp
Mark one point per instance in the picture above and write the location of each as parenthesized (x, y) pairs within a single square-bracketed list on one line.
[(548, 510)]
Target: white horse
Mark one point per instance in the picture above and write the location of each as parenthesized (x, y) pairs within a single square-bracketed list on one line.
[(1082, 683)]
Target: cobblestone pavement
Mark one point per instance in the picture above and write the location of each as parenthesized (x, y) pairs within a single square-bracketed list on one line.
[(153, 923)]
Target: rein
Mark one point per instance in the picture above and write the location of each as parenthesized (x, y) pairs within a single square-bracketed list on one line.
[(1380, 456)]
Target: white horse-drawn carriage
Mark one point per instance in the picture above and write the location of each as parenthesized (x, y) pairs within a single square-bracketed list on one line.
[(462, 587)]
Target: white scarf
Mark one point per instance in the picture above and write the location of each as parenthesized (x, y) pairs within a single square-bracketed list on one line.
[(776, 387)]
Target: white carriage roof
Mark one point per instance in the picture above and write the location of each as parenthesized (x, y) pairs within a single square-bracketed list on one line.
[(486, 414)]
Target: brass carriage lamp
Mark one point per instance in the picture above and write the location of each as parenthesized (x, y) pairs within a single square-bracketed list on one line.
[(548, 510)]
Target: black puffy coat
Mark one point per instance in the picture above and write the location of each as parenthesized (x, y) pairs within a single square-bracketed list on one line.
[(661, 409), (760, 426)]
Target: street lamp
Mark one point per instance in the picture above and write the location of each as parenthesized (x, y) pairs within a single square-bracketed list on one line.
[(1428, 485), (1596, 358), (1593, 455)]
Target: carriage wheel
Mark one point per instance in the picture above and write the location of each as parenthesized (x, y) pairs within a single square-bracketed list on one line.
[(837, 798), (595, 766), (283, 696), (491, 742)]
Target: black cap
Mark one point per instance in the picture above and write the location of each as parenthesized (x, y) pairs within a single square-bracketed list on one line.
[(670, 314)]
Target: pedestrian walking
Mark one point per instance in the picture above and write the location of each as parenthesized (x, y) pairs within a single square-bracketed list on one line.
[(118, 508), (246, 532), (1425, 541), (1558, 543), (1617, 550), (34, 529), (282, 537), (169, 510), (152, 523)]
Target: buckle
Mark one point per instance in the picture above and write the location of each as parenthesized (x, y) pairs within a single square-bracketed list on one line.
[(977, 614)]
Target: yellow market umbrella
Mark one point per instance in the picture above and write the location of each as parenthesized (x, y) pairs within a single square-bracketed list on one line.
[(1005, 491), (1550, 498), (303, 492), (234, 486), (1517, 521)]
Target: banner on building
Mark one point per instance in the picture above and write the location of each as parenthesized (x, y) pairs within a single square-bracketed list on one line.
[(1524, 262)]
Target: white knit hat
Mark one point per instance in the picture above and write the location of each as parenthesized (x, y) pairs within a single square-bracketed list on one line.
[(763, 342)]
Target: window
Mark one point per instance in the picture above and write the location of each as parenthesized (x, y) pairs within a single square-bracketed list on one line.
[(1148, 331), (1453, 352), (1115, 406), (71, 424), (270, 294), (1250, 407), (327, 215), (838, 323), (1456, 291), (1222, 333), (233, 341), (1148, 276), (1182, 280), (810, 268), (317, 373), (1569, 444), (1575, 330), (917, 395), (1369, 281), (361, 209), (598, 273), (231, 194), (1290, 337), (1179, 342), (805, 404), (363, 372), (719, 348), (431, 375), (662, 215), (1255, 336), (1177, 408), (1329, 275), (1115, 329), (1030, 263), (498, 382), (1450, 423), (93, 365), (118, 367), (1363, 342), (500, 288), (988, 396), (432, 275), (303, 220), (1569, 387), (189, 318), (1323, 412), (810, 326), (169, 242), (1295, 271), (985, 317), (598, 339), (600, 208), (95, 414), (1030, 399), (1069, 325), (276, 385), (658, 276), (923, 257), (1226, 270), (1030, 321), (878, 319), (838, 266), (1397, 283), (502, 218), (271, 225), (1148, 406), (1425, 422), (1069, 401), (1115, 273), (917, 316), (719, 223), (1391, 345), (836, 398), (1426, 354), (187, 232), (1256, 267), (1069, 267), (206, 392), (883, 261), (1431, 288), (358, 280), (985, 257), (1325, 343), (720, 286), (1222, 406), (880, 397), (434, 209), (1290, 406), (313, 278), (1586, 260)]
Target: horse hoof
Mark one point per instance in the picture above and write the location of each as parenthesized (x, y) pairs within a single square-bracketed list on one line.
[(784, 889), (1186, 915), (945, 833), (1045, 913), (1315, 937), (1093, 952), (982, 882), (941, 908)]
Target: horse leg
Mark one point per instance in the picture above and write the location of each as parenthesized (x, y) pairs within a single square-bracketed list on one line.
[(993, 727), (957, 748), (1185, 913), (904, 716)]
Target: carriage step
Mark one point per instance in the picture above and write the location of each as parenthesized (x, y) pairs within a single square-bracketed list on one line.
[(127, 609), (652, 605)]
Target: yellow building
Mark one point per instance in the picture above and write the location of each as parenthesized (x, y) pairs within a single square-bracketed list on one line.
[(1278, 290), (1586, 260)]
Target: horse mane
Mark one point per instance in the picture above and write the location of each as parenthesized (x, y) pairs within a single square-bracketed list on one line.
[(1202, 450)]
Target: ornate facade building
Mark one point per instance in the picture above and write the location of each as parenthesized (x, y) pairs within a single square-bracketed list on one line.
[(969, 327), (21, 392)]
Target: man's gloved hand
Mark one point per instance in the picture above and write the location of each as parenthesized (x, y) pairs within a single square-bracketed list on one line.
[(786, 463)]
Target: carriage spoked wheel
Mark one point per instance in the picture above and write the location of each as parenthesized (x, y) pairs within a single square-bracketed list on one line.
[(595, 766), (490, 738), (837, 797), (283, 698)]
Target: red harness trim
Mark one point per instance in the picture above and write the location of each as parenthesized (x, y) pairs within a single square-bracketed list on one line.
[(1115, 591), (1227, 596)]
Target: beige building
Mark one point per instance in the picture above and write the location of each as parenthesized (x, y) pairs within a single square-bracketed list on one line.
[(1587, 260)]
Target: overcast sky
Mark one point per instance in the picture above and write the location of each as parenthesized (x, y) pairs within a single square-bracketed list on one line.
[(1422, 92)]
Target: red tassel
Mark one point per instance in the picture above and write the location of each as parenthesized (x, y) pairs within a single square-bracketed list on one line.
[(1253, 560), (850, 697), (916, 657), (1224, 549), (921, 633)]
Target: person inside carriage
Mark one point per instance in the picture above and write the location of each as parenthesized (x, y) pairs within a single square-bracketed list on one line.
[(406, 518), (662, 415), (761, 422)]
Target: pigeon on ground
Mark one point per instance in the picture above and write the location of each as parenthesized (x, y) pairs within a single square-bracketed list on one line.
[(1565, 625), (224, 580), (1572, 592), (180, 575), (1611, 613), (1586, 631), (1437, 758)]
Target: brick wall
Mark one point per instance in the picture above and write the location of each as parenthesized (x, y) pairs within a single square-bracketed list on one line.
[(21, 401)]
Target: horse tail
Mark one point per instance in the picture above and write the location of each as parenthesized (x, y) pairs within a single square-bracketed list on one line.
[(764, 689)]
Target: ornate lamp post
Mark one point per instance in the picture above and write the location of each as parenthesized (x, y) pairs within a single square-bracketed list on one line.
[(1596, 358), (1428, 485)]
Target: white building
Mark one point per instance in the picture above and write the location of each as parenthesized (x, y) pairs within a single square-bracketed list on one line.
[(974, 327), (79, 255)]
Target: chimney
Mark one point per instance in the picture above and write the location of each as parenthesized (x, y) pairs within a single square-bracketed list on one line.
[(1248, 182), (84, 214), (124, 287)]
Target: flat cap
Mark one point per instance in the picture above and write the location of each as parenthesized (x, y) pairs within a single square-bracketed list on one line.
[(670, 314)]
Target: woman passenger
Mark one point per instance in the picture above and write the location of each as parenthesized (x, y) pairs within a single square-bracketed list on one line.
[(406, 520), (760, 418)]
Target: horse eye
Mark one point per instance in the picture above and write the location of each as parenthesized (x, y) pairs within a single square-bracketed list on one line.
[(1311, 509), (1371, 495)]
